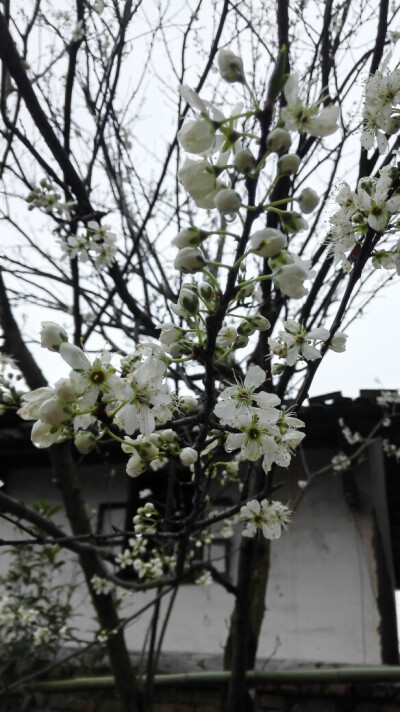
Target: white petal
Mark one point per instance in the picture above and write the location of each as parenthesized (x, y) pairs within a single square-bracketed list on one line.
[(255, 377), (234, 441), (310, 353), (319, 333), (292, 354), (74, 357)]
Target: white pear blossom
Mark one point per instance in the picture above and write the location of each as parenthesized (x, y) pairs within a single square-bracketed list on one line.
[(290, 277), (370, 206), (295, 342), (226, 336), (89, 379), (84, 441), (275, 440), (340, 462), (239, 400), (266, 517), (293, 222), (145, 398), (382, 99), (189, 237), (43, 435), (298, 117), (101, 586), (198, 178)]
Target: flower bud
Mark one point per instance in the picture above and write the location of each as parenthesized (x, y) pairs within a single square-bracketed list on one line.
[(170, 333), (196, 136), (135, 465), (227, 201), (168, 435), (245, 290), (226, 336), (244, 160), (187, 403), (279, 140), (84, 441), (293, 222), (177, 349), (338, 342), (189, 237), (198, 178), (188, 300), (277, 369), (268, 242), (246, 328), (261, 323), (52, 335), (206, 290), (288, 164), (241, 341), (230, 66), (146, 449), (308, 200), (189, 260), (188, 456)]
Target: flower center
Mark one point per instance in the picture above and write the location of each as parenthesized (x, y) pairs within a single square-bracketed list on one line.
[(253, 433), (97, 376)]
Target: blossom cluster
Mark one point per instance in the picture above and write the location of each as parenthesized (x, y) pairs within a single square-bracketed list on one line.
[(374, 205), (96, 242), (264, 430), (46, 198), (381, 109), (14, 618), (130, 399), (265, 517)]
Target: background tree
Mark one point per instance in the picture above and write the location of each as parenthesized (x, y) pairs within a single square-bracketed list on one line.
[(95, 185)]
